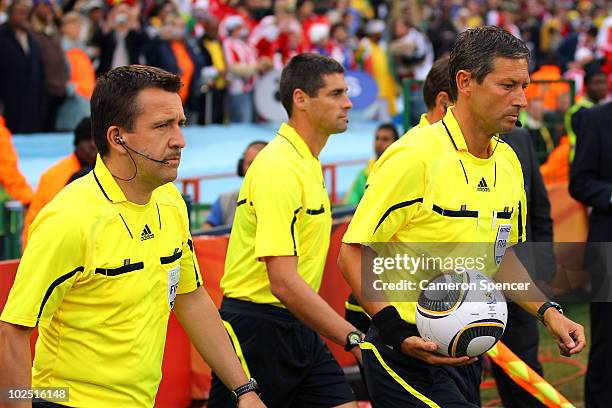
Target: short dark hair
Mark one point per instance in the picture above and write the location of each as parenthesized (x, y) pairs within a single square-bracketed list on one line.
[(436, 81), (113, 102), (305, 72), (391, 127), (475, 50)]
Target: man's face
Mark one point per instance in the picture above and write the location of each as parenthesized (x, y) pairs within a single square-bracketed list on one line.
[(86, 151), (19, 15), (497, 101), (250, 155), (157, 133), (328, 110), (597, 88), (383, 139)]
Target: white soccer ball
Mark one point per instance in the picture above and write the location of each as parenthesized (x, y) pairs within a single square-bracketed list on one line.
[(462, 313)]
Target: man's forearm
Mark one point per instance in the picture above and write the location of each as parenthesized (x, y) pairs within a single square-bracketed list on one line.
[(15, 358), (512, 270), (349, 262), (303, 302), (199, 317)]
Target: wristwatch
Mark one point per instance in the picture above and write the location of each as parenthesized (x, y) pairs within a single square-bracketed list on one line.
[(545, 307), (251, 386), (353, 339)]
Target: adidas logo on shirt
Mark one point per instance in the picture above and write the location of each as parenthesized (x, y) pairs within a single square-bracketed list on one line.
[(482, 186), (146, 233)]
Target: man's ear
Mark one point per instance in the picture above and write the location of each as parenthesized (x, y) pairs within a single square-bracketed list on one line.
[(300, 99), (464, 82), (443, 100), (115, 138)]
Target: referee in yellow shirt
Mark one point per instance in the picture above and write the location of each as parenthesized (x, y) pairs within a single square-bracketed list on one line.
[(437, 99), (454, 181), (108, 259), (278, 247)]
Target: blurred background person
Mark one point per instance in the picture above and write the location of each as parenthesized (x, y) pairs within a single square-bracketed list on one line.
[(23, 92), (373, 58), (243, 67), (213, 83), (596, 89), (172, 51), (46, 33), (81, 74), (120, 39), (13, 184), (385, 135), (56, 177), (224, 207)]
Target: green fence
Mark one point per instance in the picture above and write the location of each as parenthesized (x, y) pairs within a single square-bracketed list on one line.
[(11, 227)]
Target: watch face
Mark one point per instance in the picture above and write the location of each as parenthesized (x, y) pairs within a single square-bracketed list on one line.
[(354, 338)]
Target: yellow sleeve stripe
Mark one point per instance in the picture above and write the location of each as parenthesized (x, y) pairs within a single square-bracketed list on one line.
[(369, 346), (355, 308), (234, 338)]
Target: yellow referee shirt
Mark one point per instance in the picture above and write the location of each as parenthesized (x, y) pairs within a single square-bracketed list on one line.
[(430, 189), (283, 210), (99, 278)]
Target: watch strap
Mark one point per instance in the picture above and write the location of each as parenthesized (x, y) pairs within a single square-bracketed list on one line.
[(251, 386)]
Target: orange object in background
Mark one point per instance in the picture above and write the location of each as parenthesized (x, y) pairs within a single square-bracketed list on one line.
[(186, 67), (52, 181), (554, 95), (10, 177), (82, 73)]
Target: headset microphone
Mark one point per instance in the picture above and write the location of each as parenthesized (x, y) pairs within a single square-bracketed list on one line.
[(518, 124), (125, 145)]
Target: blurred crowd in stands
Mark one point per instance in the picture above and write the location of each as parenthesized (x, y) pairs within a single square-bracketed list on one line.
[(52, 50)]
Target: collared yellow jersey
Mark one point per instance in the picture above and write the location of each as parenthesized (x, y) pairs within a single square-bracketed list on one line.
[(99, 278), (283, 210), (429, 189)]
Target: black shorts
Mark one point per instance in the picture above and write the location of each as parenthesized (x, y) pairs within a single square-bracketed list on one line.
[(291, 362), (397, 380)]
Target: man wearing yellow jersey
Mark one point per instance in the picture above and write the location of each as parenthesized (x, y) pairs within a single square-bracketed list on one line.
[(456, 182), (109, 258), (436, 94), (278, 248)]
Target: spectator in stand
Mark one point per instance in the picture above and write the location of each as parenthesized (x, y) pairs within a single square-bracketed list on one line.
[(341, 50), (374, 59), (319, 39), (308, 18), (243, 66), (170, 51), (385, 135), (271, 36), (224, 207), (46, 34), (94, 12), (82, 76), (213, 83), (121, 39), (441, 32), (12, 180), (411, 50), (56, 177), (22, 80)]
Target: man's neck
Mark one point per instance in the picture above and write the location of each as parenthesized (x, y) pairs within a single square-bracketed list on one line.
[(134, 189), (313, 139), (476, 138)]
